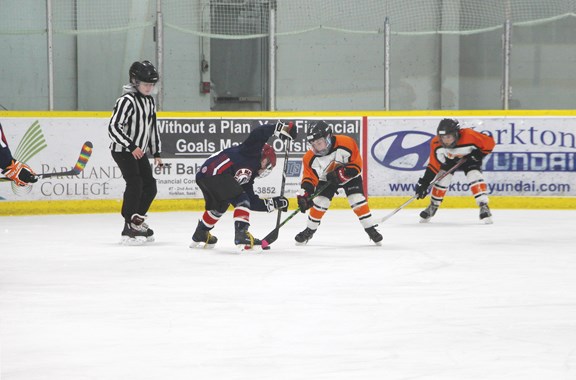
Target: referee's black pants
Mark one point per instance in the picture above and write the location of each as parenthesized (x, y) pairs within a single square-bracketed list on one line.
[(140, 184)]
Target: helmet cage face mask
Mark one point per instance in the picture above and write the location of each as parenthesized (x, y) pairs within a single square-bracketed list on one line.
[(449, 145), (321, 146), (448, 127), (320, 138), (265, 168)]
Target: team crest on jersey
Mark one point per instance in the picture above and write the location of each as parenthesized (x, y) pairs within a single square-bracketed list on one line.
[(243, 176), (452, 156)]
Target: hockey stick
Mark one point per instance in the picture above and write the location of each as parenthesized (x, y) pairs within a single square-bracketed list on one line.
[(85, 154), (272, 236), (413, 198)]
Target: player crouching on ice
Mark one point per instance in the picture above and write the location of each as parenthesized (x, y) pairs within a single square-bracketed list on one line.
[(227, 177), (331, 163), (449, 145)]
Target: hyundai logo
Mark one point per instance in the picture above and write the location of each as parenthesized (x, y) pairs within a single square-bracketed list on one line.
[(405, 150)]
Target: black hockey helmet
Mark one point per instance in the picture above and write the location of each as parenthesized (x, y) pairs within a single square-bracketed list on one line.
[(449, 127), (143, 72), (320, 130)]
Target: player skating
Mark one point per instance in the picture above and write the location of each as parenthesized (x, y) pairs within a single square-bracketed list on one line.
[(449, 145), (17, 171), (227, 178), (333, 162), (133, 131)]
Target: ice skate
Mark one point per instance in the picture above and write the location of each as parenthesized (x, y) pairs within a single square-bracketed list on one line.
[(375, 236), (149, 232), (244, 239), (303, 237), (139, 220), (428, 213), (485, 214), (202, 237), (133, 234)]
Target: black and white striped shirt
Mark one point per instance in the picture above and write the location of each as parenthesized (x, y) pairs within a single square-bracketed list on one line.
[(133, 123)]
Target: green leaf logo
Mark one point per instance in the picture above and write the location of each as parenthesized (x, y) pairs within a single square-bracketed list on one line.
[(32, 143)]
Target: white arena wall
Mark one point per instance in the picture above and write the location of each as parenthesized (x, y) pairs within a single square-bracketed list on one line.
[(532, 166)]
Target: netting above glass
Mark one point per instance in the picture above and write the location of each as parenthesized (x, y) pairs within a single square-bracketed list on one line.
[(101, 16), (251, 18)]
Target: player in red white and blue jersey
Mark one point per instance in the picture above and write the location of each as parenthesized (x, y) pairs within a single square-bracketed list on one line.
[(227, 178)]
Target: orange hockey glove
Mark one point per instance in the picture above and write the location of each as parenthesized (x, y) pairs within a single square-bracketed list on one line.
[(20, 173)]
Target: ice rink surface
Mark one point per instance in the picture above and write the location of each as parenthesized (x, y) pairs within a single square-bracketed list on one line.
[(449, 300)]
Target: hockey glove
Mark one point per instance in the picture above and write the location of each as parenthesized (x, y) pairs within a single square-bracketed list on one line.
[(304, 201), (341, 175), (277, 203), (476, 156), (422, 188), (424, 183), (20, 173), (285, 132)]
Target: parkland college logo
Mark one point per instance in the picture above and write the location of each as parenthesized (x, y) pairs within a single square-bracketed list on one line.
[(31, 144)]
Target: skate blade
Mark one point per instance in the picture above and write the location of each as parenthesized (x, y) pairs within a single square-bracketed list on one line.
[(201, 245), (487, 220), (379, 243), (150, 239), (303, 243), (422, 220), (138, 240)]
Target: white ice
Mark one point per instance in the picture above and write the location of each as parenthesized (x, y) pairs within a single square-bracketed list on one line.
[(449, 300)]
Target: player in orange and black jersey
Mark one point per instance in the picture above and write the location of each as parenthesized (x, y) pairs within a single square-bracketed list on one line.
[(17, 171), (332, 162), (449, 145)]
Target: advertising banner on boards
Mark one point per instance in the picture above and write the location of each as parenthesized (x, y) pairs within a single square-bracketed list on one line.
[(186, 144), (534, 156)]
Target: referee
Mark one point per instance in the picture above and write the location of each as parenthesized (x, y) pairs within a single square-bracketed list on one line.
[(133, 132)]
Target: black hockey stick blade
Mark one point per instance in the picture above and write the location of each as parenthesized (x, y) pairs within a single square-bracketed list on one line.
[(273, 235)]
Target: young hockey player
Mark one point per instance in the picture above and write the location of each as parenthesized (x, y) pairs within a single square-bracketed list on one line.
[(333, 161), (227, 177), (133, 131), (449, 145), (13, 169)]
